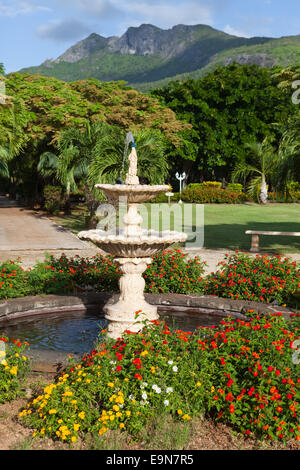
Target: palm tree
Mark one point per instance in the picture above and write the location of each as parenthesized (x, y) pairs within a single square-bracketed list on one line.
[(264, 169), (110, 162), (289, 152), (96, 155)]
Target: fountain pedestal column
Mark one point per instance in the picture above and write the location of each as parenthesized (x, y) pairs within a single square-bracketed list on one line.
[(121, 316)]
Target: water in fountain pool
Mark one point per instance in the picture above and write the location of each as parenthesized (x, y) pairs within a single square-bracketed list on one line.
[(78, 332)]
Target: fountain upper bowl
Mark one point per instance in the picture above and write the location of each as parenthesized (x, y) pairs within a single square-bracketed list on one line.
[(134, 193)]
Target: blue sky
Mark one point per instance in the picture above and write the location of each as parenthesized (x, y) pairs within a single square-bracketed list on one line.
[(34, 30)]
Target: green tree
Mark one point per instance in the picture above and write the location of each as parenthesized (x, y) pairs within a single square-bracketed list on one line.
[(227, 108)]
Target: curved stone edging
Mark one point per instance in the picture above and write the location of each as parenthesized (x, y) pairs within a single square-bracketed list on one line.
[(92, 301)]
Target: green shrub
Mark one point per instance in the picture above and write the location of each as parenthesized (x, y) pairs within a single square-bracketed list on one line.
[(235, 187), (53, 199), (294, 186), (212, 184)]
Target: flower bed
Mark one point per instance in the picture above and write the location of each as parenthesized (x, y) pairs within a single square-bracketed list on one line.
[(244, 373), (260, 278), (169, 272), (202, 194), (14, 366)]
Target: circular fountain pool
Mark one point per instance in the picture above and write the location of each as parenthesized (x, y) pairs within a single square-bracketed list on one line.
[(77, 332)]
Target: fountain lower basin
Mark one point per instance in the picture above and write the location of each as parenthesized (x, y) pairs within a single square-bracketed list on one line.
[(148, 243)]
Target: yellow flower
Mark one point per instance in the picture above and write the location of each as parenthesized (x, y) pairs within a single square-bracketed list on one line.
[(144, 353), (128, 413), (111, 417), (81, 415), (186, 417), (102, 430), (76, 426), (52, 411), (4, 362), (179, 412), (212, 389), (122, 425), (153, 369), (14, 370), (126, 379), (119, 414), (116, 408), (198, 384), (110, 384), (73, 438)]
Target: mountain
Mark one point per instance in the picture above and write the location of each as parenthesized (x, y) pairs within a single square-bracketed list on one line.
[(147, 56)]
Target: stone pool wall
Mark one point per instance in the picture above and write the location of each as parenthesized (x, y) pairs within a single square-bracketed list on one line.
[(191, 304)]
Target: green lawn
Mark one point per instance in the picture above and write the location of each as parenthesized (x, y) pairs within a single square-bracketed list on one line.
[(225, 225)]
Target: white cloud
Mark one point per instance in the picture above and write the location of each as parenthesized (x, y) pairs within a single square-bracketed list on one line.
[(168, 13), (235, 32), (63, 30), (14, 8), (163, 13)]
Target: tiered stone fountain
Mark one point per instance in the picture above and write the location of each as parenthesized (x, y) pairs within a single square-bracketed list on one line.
[(132, 248)]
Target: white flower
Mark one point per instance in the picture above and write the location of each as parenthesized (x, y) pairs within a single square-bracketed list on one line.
[(175, 368), (169, 390), (170, 362), (145, 384), (166, 402), (144, 395)]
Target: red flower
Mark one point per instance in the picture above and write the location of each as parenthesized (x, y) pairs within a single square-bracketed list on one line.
[(231, 408), (138, 376), (118, 368)]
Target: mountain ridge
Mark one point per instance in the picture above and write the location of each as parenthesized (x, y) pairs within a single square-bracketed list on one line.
[(147, 54)]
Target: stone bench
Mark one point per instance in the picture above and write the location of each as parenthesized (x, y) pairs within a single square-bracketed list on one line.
[(256, 234)]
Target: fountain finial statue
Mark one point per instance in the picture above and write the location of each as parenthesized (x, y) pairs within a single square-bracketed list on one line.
[(131, 176)]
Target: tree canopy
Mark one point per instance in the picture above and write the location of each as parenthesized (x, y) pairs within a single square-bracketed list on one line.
[(227, 108)]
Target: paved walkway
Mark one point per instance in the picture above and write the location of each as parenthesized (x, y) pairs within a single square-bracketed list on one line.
[(25, 232), (27, 235)]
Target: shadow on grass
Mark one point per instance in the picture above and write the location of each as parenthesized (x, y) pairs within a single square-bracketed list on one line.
[(233, 236)]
